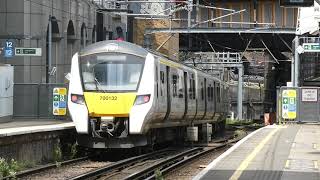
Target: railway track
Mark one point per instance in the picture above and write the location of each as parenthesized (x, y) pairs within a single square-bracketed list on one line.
[(117, 166), (170, 164), (163, 164), (139, 167)]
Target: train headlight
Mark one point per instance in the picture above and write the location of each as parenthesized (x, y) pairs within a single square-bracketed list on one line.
[(141, 99), (78, 99)]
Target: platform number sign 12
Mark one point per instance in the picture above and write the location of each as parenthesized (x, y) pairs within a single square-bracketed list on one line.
[(59, 101), (9, 49)]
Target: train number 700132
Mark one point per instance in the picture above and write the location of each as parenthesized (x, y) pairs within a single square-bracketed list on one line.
[(106, 98)]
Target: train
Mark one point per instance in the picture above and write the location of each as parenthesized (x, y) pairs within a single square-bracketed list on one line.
[(122, 95)]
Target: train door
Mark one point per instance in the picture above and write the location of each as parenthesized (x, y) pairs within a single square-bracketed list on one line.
[(162, 100), (177, 106), (200, 97)]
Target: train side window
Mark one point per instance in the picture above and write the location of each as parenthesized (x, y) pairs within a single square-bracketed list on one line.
[(218, 93), (214, 91), (162, 76), (174, 85), (180, 86), (157, 80), (209, 95), (190, 89), (162, 82), (202, 91), (194, 88)]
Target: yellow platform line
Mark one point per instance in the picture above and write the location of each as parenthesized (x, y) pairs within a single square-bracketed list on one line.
[(245, 163)]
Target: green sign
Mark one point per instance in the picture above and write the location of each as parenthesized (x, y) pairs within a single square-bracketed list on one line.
[(56, 97), (28, 52), (311, 47)]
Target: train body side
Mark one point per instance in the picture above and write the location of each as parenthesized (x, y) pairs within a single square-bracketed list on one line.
[(168, 95)]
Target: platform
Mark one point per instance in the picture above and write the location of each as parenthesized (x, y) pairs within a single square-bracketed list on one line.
[(276, 152), (27, 126)]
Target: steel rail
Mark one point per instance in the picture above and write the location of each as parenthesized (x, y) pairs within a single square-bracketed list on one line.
[(175, 163), (167, 162), (186, 160), (117, 165), (45, 167)]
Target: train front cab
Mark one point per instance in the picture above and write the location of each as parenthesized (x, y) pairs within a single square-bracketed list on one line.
[(105, 90)]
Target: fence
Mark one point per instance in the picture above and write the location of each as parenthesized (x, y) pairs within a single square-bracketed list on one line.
[(34, 100), (300, 104)]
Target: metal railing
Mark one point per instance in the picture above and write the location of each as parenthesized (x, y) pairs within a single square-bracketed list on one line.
[(34, 100)]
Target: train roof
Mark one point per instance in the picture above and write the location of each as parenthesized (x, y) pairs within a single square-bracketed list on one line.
[(114, 46), (185, 66), (130, 48)]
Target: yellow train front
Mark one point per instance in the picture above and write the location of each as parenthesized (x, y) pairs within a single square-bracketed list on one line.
[(122, 96)]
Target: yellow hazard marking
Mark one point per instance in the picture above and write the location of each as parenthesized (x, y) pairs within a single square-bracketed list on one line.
[(56, 90), (62, 91), (287, 165), (245, 163), (292, 93), (292, 115), (109, 104), (62, 111), (55, 111)]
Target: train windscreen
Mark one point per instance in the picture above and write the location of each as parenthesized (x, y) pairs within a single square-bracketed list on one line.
[(111, 72)]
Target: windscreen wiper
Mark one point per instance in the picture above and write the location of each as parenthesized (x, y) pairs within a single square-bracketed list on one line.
[(98, 84)]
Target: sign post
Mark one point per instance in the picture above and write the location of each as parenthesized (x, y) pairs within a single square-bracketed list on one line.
[(289, 104), (59, 102)]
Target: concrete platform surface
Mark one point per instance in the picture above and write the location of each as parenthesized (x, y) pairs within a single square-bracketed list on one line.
[(27, 126), (285, 152)]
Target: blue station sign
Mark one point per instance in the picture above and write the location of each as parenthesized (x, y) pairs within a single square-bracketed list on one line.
[(9, 49)]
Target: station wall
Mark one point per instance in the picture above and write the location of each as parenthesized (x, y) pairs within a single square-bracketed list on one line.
[(74, 26)]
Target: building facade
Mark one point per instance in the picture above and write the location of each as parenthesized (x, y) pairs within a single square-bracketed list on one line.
[(75, 24)]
